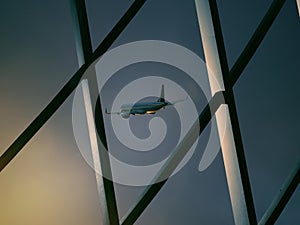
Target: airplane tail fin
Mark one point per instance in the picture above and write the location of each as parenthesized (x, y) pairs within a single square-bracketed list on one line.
[(162, 94)]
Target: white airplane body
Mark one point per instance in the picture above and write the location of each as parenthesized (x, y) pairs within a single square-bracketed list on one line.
[(142, 108)]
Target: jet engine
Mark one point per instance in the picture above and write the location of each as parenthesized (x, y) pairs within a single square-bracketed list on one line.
[(125, 115)]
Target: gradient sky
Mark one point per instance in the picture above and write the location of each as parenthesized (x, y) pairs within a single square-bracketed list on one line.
[(50, 183)]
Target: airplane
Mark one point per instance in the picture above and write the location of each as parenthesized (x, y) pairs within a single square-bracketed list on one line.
[(142, 108)]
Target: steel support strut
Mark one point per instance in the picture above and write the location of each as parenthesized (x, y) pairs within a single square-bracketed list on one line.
[(227, 119), (105, 187), (282, 198)]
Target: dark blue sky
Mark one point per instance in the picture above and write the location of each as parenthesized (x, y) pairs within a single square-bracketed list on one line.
[(50, 183)]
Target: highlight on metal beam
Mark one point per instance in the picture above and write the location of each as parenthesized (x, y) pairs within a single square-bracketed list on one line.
[(94, 150), (105, 188), (227, 119)]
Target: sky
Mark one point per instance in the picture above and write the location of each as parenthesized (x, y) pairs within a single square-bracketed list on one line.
[(49, 182)]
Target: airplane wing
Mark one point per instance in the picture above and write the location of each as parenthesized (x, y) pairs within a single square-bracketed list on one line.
[(116, 113), (177, 101)]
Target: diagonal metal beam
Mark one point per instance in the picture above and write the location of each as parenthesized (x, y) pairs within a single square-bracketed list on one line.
[(41, 119), (68, 88), (282, 198), (175, 158), (255, 40)]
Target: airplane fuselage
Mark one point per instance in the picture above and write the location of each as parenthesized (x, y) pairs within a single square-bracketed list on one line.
[(142, 108)]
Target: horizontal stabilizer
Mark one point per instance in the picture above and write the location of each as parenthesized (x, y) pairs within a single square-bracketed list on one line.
[(177, 101)]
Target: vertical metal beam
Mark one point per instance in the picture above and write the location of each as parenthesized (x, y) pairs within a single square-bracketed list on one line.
[(95, 150), (105, 187), (104, 183), (81, 31), (227, 120), (284, 195)]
